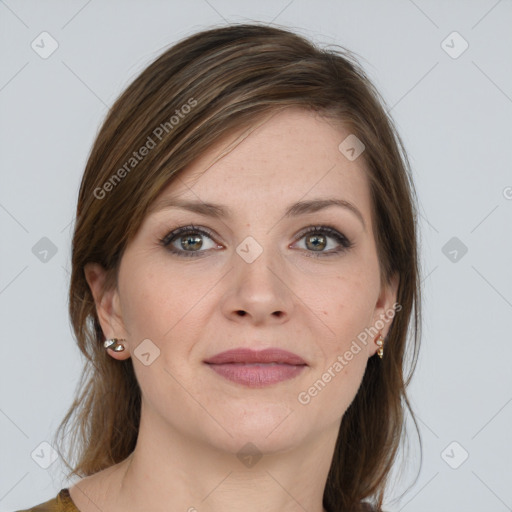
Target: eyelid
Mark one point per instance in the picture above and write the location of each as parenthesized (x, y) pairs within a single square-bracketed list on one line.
[(324, 228)]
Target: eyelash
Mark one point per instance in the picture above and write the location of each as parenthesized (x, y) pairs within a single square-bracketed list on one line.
[(330, 231)]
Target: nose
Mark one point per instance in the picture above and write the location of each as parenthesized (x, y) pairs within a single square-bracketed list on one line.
[(258, 291)]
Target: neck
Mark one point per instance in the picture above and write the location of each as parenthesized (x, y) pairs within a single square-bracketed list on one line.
[(169, 470)]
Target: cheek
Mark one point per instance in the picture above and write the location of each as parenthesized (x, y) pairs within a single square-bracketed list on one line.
[(348, 304), (164, 304), (144, 302), (152, 300), (333, 388)]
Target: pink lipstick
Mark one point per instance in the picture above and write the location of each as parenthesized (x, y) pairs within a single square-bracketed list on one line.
[(257, 368)]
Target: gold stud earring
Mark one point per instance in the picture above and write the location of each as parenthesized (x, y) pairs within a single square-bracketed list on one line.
[(380, 344), (114, 344)]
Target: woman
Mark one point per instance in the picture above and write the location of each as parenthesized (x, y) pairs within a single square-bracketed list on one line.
[(244, 274)]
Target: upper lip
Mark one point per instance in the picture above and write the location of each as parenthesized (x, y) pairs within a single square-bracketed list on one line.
[(245, 355)]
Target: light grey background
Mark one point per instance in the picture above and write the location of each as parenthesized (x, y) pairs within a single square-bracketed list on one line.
[(454, 115)]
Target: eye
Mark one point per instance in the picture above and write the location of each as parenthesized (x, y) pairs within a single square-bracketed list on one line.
[(189, 240), (317, 239)]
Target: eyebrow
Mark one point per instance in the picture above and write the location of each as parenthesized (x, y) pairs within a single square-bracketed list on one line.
[(219, 211)]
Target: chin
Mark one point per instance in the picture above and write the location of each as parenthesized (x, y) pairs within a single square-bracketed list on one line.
[(269, 432)]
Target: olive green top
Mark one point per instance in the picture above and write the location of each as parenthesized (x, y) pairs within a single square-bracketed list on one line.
[(61, 503)]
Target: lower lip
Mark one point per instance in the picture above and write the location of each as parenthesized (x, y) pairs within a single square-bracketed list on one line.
[(257, 375)]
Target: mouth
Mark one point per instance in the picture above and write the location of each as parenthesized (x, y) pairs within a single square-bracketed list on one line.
[(257, 368)]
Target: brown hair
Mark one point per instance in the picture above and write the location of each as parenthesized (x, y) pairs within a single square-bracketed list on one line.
[(196, 92)]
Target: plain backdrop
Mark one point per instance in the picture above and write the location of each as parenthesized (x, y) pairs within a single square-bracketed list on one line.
[(444, 69)]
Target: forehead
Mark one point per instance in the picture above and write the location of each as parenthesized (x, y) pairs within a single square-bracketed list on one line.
[(289, 156)]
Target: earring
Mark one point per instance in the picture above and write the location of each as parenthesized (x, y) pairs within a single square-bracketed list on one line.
[(114, 345), (380, 343)]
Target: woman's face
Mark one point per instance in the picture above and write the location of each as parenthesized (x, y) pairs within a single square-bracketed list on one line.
[(254, 278)]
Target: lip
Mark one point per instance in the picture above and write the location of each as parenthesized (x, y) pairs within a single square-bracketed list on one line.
[(248, 356), (257, 368)]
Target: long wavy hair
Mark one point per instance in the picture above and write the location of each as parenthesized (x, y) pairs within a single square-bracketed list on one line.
[(198, 90)]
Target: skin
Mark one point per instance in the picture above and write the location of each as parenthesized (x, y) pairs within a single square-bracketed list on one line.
[(193, 421)]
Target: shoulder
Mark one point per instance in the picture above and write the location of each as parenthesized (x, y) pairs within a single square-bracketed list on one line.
[(61, 503)]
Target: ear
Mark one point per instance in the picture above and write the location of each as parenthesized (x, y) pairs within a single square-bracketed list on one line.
[(385, 310), (107, 307)]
